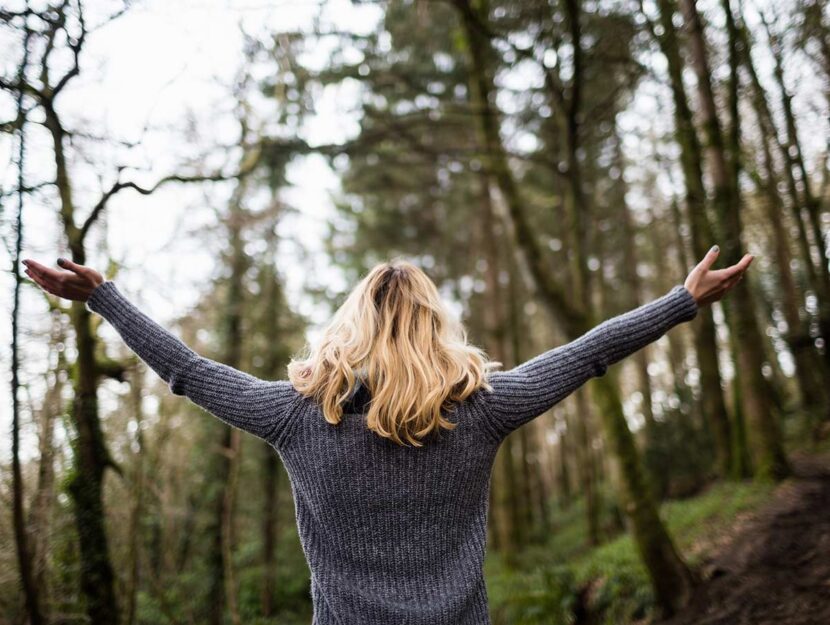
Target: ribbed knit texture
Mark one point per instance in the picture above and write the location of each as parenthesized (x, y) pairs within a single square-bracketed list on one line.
[(393, 535)]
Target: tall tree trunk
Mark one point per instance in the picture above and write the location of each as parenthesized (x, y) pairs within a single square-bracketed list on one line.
[(270, 529), (794, 159), (270, 459), (633, 285), (677, 350), (783, 151), (229, 525), (496, 326), (515, 452), (24, 559), (40, 514), (810, 369), (764, 436), (564, 473), (137, 504), (670, 577), (587, 466), (90, 455), (543, 488), (233, 350), (691, 159), (527, 451)]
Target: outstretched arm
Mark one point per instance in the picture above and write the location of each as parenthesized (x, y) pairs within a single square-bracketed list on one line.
[(528, 390), (256, 406)]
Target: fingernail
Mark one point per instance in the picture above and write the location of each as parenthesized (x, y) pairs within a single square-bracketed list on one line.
[(715, 248), (60, 261)]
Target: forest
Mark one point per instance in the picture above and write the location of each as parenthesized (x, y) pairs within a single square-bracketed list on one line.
[(549, 163)]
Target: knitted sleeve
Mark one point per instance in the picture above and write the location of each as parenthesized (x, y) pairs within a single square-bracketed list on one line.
[(528, 390), (256, 406)]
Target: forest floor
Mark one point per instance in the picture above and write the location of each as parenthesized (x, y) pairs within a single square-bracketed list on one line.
[(773, 566)]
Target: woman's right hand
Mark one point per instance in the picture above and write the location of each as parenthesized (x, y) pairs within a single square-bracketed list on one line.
[(76, 284), (708, 285)]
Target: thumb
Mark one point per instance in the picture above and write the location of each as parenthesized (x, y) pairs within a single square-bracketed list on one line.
[(710, 258), (72, 266)]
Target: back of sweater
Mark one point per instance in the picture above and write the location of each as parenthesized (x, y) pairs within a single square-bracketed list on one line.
[(393, 535)]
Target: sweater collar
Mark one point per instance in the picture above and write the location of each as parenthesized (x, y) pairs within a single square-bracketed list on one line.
[(356, 402)]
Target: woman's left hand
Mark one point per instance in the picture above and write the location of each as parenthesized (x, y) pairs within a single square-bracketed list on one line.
[(708, 285), (76, 284)]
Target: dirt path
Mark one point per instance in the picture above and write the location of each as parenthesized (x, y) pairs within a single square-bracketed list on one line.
[(776, 570)]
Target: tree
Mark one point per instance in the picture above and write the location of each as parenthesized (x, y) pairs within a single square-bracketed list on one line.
[(691, 160), (769, 458), (671, 578), (59, 37)]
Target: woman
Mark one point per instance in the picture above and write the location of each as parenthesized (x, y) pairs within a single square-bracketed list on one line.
[(389, 427)]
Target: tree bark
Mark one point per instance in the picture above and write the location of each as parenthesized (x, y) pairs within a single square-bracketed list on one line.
[(91, 457), (24, 555), (764, 436), (40, 514), (670, 577), (137, 504), (794, 160), (810, 369), (587, 467), (691, 159), (270, 459), (496, 324)]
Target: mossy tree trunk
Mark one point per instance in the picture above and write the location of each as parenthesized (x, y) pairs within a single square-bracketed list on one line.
[(763, 432), (691, 161), (671, 578), (811, 370)]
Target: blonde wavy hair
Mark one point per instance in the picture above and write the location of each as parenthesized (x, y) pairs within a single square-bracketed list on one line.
[(412, 354)]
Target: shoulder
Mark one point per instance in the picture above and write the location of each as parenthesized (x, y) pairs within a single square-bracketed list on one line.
[(288, 396), (290, 405), (478, 407)]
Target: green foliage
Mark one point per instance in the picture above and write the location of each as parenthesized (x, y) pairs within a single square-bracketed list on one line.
[(292, 590), (543, 597), (609, 581), (620, 588)]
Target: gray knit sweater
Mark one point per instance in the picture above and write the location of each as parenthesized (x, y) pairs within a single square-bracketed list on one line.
[(393, 535)]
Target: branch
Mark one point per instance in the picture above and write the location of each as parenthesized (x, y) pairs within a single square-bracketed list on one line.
[(247, 167), (17, 86), (250, 163), (28, 188), (75, 46), (51, 33)]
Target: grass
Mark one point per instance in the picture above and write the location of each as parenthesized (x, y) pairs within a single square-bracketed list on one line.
[(542, 589)]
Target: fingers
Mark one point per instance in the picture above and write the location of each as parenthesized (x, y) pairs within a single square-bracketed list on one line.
[(739, 267), (47, 285), (48, 279), (77, 274), (41, 270), (731, 276), (727, 273), (72, 266), (43, 279), (74, 284), (710, 258)]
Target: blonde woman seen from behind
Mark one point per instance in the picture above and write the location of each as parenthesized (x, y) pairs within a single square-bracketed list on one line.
[(388, 427)]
